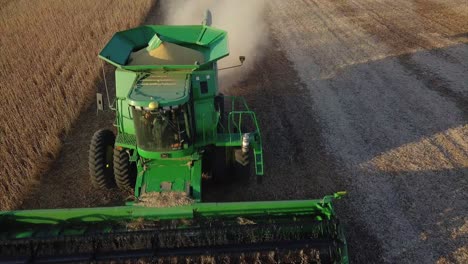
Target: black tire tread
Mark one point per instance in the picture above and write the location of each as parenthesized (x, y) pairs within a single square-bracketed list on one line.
[(241, 158), (220, 168), (101, 177), (124, 171)]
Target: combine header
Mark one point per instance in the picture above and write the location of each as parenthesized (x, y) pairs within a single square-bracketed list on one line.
[(174, 132)]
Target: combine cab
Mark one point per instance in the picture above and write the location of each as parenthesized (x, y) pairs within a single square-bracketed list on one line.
[(175, 131)]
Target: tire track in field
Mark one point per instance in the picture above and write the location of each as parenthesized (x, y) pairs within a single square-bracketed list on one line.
[(431, 79), (443, 15), (426, 34), (428, 77), (377, 112)]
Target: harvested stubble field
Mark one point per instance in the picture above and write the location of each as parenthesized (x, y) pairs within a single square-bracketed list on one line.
[(368, 96), (48, 75)]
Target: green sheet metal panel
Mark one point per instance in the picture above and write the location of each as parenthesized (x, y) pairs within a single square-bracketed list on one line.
[(210, 41), (178, 34), (123, 43), (172, 173), (120, 47), (124, 81), (231, 209), (206, 122), (204, 84)]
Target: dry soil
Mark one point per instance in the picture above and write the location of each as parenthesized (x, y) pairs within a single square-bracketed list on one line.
[(367, 96)]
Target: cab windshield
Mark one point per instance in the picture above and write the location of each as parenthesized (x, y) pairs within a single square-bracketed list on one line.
[(163, 129)]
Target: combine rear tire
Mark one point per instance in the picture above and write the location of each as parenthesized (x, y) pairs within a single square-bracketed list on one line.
[(100, 159), (242, 165), (241, 158), (124, 170), (231, 165), (221, 165)]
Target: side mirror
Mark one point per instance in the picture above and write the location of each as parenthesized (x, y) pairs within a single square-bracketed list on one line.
[(242, 59)]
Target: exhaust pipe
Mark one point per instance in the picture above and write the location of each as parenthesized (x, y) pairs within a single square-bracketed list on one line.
[(245, 143)]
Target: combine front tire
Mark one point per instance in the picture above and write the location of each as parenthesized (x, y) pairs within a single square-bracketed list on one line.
[(100, 159), (124, 170)]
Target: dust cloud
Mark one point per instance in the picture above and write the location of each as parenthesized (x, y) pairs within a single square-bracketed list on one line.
[(242, 19)]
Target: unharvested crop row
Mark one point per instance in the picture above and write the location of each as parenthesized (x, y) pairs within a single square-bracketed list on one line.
[(48, 73)]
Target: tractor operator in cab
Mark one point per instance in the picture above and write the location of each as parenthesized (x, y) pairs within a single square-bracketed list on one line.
[(161, 130)]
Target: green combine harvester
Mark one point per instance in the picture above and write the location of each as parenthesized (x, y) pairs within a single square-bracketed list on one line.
[(174, 132)]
